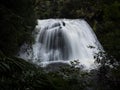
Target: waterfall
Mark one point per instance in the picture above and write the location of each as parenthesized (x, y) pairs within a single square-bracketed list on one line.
[(63, 40)]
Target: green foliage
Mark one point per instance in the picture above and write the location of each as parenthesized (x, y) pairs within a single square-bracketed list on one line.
[(17, 20), (70, 77), (11, 70), (17, 74), (66, 9), (108, 73)]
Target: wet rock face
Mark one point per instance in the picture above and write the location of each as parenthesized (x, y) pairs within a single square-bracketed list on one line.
[(53, 67), (63, 23)]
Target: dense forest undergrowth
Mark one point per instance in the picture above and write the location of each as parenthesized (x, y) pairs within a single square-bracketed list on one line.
[(18, 20)]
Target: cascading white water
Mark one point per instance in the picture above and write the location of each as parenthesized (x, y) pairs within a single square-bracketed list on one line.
[(63, 40)]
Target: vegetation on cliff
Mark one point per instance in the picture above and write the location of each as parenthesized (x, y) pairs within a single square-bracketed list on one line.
[(17, 21)]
